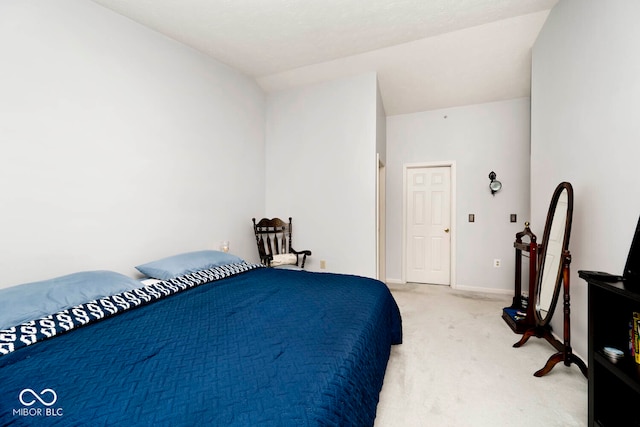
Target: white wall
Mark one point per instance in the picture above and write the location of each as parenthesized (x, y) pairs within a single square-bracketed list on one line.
[(585, 130), (479, 139), (118, 145), (321, 170)]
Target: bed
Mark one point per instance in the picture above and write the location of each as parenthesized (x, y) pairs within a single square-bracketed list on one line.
[(226, 344)]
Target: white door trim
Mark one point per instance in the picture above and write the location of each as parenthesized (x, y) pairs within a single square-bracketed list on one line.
[(452, 165), (381, 220)]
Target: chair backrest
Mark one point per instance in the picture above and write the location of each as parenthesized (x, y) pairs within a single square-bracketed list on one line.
[(273, 236)]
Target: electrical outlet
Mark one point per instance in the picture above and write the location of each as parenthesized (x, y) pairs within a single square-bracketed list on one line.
[(323, 264), (496, 263)]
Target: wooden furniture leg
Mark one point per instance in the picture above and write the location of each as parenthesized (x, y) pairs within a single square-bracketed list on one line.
[(565, 353)]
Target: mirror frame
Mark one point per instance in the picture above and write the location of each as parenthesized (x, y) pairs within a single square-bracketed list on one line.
[(542, 254)]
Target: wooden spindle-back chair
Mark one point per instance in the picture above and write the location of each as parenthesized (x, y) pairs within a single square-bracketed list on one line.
[(273, 237)]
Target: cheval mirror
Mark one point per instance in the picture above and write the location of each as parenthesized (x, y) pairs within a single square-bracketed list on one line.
[(553, 271)]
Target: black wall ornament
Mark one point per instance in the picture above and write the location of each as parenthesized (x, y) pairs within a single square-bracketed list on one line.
[(494, 185)]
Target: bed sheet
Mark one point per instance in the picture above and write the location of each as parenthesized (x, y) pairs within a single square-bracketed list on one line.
[(264, 347)]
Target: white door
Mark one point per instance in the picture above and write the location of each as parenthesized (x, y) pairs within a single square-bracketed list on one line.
[(428, 222)]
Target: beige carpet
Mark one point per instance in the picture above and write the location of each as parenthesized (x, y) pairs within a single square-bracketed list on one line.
[(457, 367)]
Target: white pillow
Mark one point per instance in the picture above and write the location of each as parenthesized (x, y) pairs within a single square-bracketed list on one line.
[(283, 259)]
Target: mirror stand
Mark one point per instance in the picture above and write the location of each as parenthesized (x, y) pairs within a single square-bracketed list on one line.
[(554, 259), (565, 353)]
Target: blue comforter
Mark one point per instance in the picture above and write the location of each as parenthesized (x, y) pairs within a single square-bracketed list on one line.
[(262, 348)]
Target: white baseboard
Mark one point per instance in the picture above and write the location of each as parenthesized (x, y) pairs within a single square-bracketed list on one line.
[(460, 287), (485, 290)]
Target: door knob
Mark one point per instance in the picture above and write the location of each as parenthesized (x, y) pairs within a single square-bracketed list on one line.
[(446, 230)]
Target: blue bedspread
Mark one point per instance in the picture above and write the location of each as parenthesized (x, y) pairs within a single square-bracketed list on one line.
[(263, 348)]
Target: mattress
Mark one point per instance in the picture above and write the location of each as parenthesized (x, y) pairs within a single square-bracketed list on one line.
[(261, 347)]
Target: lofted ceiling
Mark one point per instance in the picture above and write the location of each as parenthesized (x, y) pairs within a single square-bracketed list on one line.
[(428, 54)]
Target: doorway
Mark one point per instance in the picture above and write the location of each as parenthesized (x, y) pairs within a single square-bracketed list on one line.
[(429, 223)]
